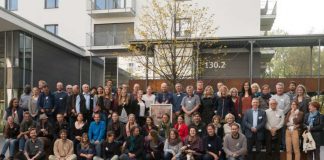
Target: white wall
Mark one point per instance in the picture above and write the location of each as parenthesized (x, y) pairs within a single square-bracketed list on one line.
[(71, 17)]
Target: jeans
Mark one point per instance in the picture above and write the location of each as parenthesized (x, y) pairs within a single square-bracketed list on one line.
[(98, 149), (22, 142), (292, 144), (9, 143), (167, 156)]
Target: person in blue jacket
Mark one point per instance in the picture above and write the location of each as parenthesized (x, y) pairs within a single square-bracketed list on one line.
[(97, 132)]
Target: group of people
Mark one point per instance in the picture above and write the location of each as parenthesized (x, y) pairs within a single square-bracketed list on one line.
[(103, 123)]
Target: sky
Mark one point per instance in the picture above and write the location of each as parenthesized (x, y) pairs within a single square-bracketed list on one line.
[(300, 16)]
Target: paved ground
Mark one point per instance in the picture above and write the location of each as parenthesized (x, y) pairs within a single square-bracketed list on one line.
[(1, 144)]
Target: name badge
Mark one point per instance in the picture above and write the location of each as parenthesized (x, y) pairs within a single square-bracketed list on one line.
[(61, 98), (282, 100), (46, 98), (237, 144), (178, 95), (260, 117), (107, 148), (91, 98), (36, 146), (277, 116), (209, 145), (189, 101), (199, 130)]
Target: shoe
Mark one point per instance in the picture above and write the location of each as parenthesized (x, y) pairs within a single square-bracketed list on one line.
[(11, 158), (2, 157)]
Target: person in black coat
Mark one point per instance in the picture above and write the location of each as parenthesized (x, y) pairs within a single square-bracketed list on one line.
[(254, 131), (110, 148), (208, 105), (212, 144), (116, 127), (139, 108), (134, 144), (224, 103), (314, 123), (15, 111)]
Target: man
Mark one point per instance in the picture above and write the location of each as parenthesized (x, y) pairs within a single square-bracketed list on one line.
[(177, 98), (25, 127), (45, 132), (265, 97), (235, 144), (60, 100), (70, 105), (219, 85), (97, 133), (200, 88), (190, 104), (59, 125), (292, 90), (85, 103), (68, 90), (164, 97), (25, 98), (63, 148), (283, 101), (34, 148), (254, 122), (41, 84), (46, 103), (275, 122), (198, 124)]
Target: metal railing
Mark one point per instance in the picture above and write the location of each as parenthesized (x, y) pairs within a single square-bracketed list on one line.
[(110, 4), (108, 38)]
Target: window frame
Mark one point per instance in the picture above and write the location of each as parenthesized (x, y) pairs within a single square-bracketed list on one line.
[(55, 28), (8, 5), (55, 6)]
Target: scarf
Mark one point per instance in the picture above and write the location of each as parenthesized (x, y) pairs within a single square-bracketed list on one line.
[(266, 96), (311, 118), (174, 142)]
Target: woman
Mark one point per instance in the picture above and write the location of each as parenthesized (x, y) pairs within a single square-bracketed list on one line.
[(106, 101), (11, 131), (149, 98), (255, 89), (14, 111), (212, 144), (32, 107), (164, 126), (123, 106), (149, 126), (129, 125), (45, 132), (302, 98), (139, 108), (172, 145), (85, 151), (192, 146), (229, 119), (245, 100), (208, 104), (110, 147), (117, 127), (219, 130), (79, 127), (181, 127), (133, 146), (294, 122), (314, 124), (224, 103), (235, 98), (153, 146)]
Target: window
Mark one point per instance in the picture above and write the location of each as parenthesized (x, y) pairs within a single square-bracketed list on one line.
[(51, 4), (53, 28), (183, 27), (12, 5)]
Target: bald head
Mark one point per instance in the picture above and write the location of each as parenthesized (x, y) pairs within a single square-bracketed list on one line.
[(164, 87)]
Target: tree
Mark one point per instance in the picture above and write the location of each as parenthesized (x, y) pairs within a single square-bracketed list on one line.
[(167, 29)]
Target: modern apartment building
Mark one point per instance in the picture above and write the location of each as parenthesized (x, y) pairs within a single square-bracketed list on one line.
[(103, 27)]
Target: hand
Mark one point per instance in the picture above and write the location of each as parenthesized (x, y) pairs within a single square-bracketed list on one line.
[(173, 158), (65, 115), (216, 157), (52, 110), (240, 115), (97, 142), (73, 111), (43, 110), (131, 155), (253, 129)]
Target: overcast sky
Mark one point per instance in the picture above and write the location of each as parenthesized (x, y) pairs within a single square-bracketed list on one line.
[(300, 16)]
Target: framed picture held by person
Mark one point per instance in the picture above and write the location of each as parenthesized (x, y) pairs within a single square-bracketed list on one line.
[(157, 111)]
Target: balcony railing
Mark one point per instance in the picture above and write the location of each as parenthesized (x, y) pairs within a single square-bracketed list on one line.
[(111, 6), (108, 38)]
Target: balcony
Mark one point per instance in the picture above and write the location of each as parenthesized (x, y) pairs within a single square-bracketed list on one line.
[(108, 42), (111, 8)]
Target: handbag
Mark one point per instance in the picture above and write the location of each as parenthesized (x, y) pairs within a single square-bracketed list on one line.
[(309, 143)]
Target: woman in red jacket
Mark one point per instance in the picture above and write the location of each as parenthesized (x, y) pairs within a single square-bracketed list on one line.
[(181, 127)]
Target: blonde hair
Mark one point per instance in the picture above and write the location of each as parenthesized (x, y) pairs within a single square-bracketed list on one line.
[(257, 86), (303, 88), (232, 90), (229, 115), (211, 90)]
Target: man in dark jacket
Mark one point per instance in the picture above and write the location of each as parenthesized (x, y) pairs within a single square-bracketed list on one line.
[(46, 103), (254, 122)]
